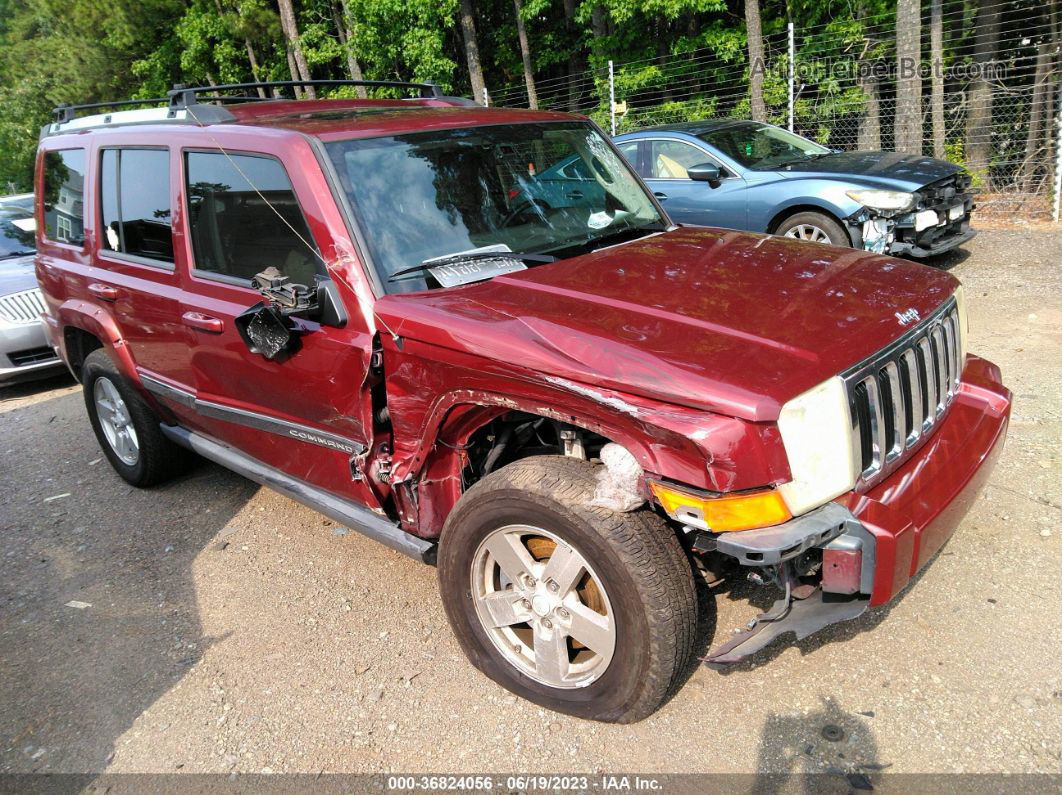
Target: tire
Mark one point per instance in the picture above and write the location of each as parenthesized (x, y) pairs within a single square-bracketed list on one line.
[(810, 226), (150, 458), (637, 580)]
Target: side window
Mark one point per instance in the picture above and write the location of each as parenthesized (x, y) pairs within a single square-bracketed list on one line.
[(64, 199), (629, 151), (243, 217), (670, 159), (135, 203)]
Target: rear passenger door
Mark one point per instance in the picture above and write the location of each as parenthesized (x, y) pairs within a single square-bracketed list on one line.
[(300, 414), (136, 276)]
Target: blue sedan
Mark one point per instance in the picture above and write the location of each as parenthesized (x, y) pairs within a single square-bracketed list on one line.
[(754, 176)]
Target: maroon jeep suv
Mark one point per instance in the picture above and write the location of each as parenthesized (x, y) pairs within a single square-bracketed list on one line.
[(473, 335)]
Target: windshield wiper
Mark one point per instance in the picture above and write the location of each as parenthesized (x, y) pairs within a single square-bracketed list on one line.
[(14, 254), (647, 229), (428, 264)]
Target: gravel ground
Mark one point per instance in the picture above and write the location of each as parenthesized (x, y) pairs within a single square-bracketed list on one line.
[(210, 625)]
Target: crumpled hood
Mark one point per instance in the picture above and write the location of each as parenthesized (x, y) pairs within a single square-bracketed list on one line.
[(726, 321), (17, 274), (890, 169)]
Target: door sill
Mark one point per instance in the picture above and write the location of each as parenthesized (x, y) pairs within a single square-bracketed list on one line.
[(354, 516)]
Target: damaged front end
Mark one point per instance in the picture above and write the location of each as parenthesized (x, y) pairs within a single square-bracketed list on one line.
[(823, 562), (930, 221)]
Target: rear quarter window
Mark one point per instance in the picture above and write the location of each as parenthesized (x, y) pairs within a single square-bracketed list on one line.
[(64, 196)]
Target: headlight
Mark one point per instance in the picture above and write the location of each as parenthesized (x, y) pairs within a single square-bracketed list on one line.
[(964, 324), (816, 430), (885, 201)]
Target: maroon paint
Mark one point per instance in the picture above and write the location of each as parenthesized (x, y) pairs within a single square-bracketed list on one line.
[(682, 346)]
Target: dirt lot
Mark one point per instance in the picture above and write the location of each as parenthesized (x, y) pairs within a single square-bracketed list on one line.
[(229, 629)]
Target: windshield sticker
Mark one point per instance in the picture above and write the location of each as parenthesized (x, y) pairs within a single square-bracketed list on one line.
[(599, 220), (455, 273)]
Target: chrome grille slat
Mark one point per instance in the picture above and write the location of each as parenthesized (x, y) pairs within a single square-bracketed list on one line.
[(23, 307), (897, 400), (897, 396)]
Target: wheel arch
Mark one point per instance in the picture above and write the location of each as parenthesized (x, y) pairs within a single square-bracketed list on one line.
[(85, 328), (782, 215)]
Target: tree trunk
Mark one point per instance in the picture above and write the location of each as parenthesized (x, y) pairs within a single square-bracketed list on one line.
[(291, 33), (342, 16), (870, 124), (979, 95), (254, 67), (475, 68), (575, 55), (908, 119), (294, 69), (936, 56), (756, 63), (1037, 105), (525, 55)]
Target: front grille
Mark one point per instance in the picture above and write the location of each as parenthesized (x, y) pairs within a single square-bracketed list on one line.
[(24, 307), (945, 192), (31, 356), (898, 395)]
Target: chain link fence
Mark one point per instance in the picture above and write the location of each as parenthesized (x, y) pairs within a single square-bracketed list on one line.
[(992, 102)]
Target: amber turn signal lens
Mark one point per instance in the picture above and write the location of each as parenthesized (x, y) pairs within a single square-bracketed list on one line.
[(723, 514)]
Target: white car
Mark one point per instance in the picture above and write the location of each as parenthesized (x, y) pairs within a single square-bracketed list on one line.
[(24, 350)]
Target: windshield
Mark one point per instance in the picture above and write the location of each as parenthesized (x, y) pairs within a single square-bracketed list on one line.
[(554, 189), (761, 146), (17, 233)]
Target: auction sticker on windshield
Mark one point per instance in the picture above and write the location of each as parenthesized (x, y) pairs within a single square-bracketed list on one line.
[(452, 271)]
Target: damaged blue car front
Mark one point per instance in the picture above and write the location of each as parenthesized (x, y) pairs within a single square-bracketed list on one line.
[(771, 180)]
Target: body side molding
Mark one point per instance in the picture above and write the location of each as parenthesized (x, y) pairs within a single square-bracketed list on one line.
[(251, 419)]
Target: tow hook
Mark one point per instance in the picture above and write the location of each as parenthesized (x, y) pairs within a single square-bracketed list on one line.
[(803, 610)]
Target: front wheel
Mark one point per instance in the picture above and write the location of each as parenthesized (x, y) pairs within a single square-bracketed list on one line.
[(578, 609), (813, 227)]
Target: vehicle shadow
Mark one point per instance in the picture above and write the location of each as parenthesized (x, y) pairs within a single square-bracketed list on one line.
[(36, 386), (98, 610), (827, 750)]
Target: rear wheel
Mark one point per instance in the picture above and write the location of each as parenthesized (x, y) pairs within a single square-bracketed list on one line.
[(579, 609), (126, 427), (813, 227)]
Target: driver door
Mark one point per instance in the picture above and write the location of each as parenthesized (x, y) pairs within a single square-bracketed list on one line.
[(300, 413), (687, 201)]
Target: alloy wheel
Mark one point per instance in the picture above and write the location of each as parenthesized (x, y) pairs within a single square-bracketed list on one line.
[(808, 232), (115, 421), (543, 607)]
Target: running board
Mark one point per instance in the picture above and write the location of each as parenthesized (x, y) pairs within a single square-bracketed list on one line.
[(343, 511)]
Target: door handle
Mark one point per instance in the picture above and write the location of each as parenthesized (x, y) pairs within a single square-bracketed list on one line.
[(198, 320), (575, 194), (660, 195), (103, 291)]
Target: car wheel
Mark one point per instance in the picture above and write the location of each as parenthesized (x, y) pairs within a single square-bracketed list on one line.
[(126, 427), (579, 609), (814, 227)]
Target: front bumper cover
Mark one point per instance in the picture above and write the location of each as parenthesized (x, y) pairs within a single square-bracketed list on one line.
[(900, 524)]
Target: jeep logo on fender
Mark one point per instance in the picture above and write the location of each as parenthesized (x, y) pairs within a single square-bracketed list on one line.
[(322, 441), (910, 316)]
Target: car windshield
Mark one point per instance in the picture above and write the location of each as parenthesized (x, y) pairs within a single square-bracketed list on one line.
[(17, 234), (554, 190), (760, 146)]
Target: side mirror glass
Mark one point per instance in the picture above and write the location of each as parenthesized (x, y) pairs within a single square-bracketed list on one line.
[(704, 172), (266, 331)]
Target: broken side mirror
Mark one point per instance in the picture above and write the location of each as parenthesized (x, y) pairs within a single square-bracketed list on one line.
[(269, 328)]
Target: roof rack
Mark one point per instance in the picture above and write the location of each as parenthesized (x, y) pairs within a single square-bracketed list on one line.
[(178, 104), (182, 96)]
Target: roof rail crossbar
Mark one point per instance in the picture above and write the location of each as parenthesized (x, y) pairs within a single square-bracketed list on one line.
[(65, 113), (182, 96)]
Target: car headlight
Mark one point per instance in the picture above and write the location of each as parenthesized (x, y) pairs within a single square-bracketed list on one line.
[(884, 201), (964, 324), (816, 429)]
